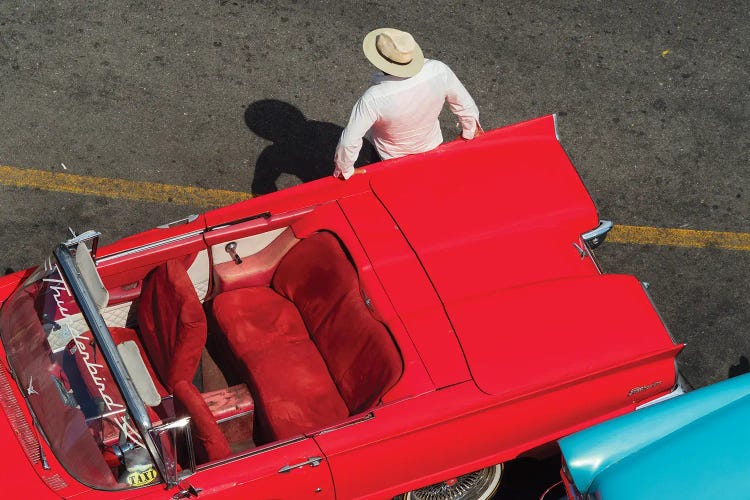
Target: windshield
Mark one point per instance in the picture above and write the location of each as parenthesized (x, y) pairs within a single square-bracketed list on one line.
[(68, 385)]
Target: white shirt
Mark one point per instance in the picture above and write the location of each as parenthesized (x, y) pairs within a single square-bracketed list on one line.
[(400, 115)]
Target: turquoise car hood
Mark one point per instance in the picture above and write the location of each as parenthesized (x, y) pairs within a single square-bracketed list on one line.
[(693, 446)]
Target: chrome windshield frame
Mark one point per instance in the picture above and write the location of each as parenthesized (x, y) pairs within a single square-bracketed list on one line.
[(98, 327)]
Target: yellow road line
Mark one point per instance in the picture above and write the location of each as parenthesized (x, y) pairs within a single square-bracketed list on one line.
[(211, 198), (641, 235), (118, 188)]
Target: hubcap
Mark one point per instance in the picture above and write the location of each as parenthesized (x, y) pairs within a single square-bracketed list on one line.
[(467, 487)]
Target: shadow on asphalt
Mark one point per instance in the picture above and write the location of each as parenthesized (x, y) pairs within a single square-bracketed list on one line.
[(528, 478), (742, 367), (301, 147)]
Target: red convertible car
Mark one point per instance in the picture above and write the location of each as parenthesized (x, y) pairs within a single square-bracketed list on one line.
[(405, 332)]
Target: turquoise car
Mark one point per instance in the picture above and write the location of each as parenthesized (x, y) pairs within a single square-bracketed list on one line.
[(693, 446)]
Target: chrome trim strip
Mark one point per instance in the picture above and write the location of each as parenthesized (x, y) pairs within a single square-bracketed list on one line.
[(257, 451), (596, 236), (583, 253), (185, 220), (645, 288), (677, 391), (88, 235), (246, 413), (180, 423), (251, 452), (365, 418), (557, 133), (263, 217), (150, 246)]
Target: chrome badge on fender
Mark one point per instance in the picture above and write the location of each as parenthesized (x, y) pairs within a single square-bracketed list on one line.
[(635, 390)]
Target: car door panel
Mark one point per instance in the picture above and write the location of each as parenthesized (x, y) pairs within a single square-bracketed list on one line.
[(293, 470)]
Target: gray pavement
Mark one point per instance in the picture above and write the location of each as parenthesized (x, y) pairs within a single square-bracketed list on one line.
[(652, 100)]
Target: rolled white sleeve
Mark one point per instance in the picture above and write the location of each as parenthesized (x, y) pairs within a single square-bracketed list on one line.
[(350, 143), (461, 104)]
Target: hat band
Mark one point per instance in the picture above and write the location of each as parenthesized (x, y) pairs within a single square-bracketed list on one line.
[(392, 60)]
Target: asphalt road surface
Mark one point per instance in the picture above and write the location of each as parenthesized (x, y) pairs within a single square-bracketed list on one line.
[(250, 96)]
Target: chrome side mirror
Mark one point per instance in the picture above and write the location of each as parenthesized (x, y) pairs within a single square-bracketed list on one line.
[(175, 440)]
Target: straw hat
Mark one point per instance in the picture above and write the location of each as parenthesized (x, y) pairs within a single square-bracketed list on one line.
[(394, 52)]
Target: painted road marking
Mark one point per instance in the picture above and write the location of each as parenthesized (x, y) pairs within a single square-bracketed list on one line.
[(642, 235), (118, 188), (212, 198)]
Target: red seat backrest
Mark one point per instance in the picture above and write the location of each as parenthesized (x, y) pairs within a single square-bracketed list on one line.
[(172, 323), (319, 279), (173, 327)]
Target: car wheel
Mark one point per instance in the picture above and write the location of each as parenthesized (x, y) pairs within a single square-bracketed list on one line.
[(477, 485)]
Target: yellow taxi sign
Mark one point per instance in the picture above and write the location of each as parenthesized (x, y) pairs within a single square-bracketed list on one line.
[(142, 478)]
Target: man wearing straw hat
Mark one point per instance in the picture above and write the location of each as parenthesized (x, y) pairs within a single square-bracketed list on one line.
[(399, 113)]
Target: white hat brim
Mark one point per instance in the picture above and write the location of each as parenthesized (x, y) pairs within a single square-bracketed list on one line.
[(387, 66)]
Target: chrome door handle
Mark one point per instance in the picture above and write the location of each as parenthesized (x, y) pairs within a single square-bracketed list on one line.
[(312, 462)]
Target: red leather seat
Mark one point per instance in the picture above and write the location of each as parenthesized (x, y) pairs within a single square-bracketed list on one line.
[(173, 328), (310, 349)]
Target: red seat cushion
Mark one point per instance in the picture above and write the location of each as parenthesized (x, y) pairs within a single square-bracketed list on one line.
[(312, 352), (253, 319), (294, 391), (360, 354), (292, 387)]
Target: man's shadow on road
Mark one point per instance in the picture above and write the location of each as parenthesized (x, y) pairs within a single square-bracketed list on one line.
[(301, 147)]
